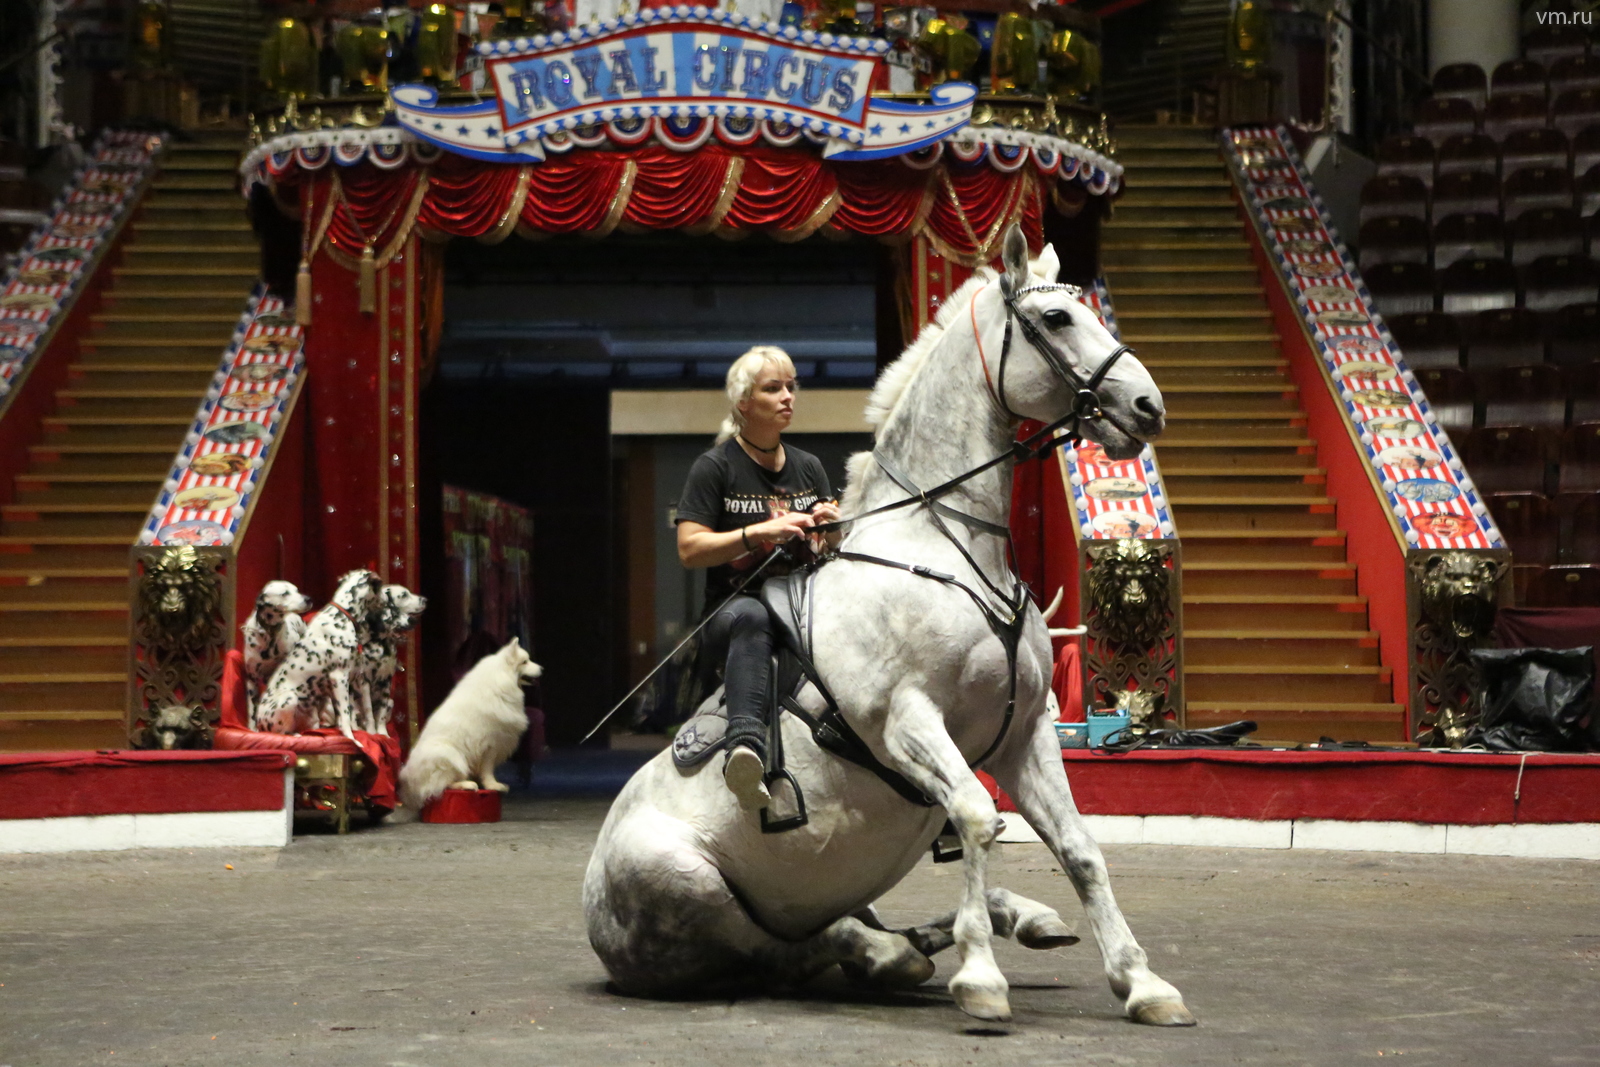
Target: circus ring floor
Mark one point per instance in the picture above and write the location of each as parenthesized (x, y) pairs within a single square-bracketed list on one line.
[(436, 945)]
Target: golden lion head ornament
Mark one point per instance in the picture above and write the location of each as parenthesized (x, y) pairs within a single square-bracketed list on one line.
[(179, 598), (1128, 589), (1458, 593)]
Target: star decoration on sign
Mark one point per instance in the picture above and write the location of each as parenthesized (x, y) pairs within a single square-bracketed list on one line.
[(876, 130), (905, 127), (464, 130)]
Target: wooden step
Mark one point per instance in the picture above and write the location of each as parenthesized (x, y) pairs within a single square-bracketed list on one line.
[(109, 422), (1171, 373), (141, 290), (1282, 648), (1170, 258), (1195, 158), (65, 595), (110, 562), (215, 330), (65, 630), (1151, 212), (86, 496), (23, 700), (47, 470), (238, 274), (190, 260), (1309, 721), (1198, 520), (1233, 299), (73, 733), (205, 241), (1190, 352), (1287, 613), (1214, 197), (1235, 385), (179, 408), (1206, 684), (1283, 546), (1307, 496), (71, 531), (125, 387), (142, 359), (1267, 576)]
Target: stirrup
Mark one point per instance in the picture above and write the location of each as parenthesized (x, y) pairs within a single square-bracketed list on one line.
[(743, 773)]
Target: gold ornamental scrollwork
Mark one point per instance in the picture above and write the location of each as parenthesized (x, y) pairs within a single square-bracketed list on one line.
[(1452, 598), (180, 632), (1133, 615)]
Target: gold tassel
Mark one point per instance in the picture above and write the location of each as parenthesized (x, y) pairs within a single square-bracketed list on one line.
[(302, 294), (369, 281)]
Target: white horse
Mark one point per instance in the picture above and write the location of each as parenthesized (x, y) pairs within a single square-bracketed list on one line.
[(684, 891)]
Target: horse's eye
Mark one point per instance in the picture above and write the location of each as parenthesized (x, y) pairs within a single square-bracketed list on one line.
[(1057, 319)]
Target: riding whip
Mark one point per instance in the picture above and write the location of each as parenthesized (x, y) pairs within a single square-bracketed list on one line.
[(692, 634)]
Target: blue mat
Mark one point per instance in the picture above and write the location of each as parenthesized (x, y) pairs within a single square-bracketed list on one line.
[(576, 772)]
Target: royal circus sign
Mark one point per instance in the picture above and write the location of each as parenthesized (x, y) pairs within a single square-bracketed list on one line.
[(649, 69)]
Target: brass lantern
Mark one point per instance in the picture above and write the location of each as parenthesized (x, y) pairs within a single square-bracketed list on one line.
[(1014, 55), (364, 54), (1249, 35), (151, 41), (950, 49), (1074, 64), (436, 45), (289, 60)]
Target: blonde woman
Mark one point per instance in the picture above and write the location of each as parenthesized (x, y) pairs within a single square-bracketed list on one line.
[(744, 498)]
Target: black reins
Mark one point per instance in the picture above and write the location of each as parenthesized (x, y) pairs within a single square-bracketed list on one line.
[(1007, 624)]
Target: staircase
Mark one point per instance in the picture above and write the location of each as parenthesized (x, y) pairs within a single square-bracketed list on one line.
[(1273, 627), (1188, 49), (188, 264)]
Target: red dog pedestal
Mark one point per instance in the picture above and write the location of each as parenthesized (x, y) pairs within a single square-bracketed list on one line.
[(463, 805)]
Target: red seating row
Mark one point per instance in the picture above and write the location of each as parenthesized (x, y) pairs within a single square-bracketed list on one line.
[(1466, 81), (1574, 146), (1538, 395), (1480, 192), (1472, 285), (1572, 585), (1511, 459), (1536, 233), (1546, 530), (1508, 337)]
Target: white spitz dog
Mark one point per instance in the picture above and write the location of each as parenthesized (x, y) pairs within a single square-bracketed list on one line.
[(476, 727)]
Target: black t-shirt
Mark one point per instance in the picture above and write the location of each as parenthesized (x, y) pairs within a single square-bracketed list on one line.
[(726, 490)]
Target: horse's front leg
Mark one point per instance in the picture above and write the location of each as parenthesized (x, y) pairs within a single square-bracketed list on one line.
[(1031, 771), (918, 746)]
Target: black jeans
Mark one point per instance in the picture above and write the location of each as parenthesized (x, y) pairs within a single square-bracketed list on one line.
[(739, 637)]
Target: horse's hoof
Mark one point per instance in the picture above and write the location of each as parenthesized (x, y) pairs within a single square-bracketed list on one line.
[(906, 968), (1045, 932), (990, 1004), (1164, 1013)]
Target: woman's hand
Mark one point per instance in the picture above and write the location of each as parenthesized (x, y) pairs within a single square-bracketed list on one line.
[(780, 528), (825, 511)]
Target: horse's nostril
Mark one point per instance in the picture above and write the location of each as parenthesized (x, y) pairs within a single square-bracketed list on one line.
[(1149, 407)]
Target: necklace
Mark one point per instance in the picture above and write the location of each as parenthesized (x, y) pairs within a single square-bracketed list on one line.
[(769, 451)]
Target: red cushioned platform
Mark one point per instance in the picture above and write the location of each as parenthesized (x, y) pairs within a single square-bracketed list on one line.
[(46, 785), (1428, 787), (463, 806)]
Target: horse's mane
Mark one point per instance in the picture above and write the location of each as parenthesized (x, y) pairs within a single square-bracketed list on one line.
[(891, 385)]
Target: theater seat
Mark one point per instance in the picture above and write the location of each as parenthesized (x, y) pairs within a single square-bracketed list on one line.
[(1401, 288), (1548, 44), (1543, 147), (1547, 231), (1552, 282), (1586, 150), (1535, 187), (1465, 192), (1567, 585), (1406, 156), (1573, 335), (1478, 235), (1527, 396), (1580, 458), (1583, 380), (1445, 116), (1464, 80), (1473, 285), (1427, 339), (1523, 578), (1506, 459), (1467, 153), (1518, 76), (1504, 337), (1527, 521), (1393, 239), (1451, 395), (1393, 194), (1580, 527), (1574, 72), (1574, 109), (1510, 112)]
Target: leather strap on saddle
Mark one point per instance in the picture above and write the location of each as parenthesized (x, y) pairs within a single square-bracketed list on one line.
[(788, 602)]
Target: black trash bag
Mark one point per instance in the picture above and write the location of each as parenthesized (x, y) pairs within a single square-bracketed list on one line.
[(1534, 699)]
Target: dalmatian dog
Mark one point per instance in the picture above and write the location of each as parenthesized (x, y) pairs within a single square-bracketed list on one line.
[(398, 611), (315, 686), (270, 632)]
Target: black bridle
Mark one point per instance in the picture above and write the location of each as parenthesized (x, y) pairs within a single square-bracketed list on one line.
[(1007, 623)]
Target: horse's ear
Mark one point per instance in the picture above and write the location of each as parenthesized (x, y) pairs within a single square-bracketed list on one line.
[(1048, 265), (1015, 257)]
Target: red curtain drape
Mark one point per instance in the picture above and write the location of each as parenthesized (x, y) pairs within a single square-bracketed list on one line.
[(761, 188)]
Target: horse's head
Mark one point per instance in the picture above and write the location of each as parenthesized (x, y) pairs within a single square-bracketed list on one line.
[(1058, 347)]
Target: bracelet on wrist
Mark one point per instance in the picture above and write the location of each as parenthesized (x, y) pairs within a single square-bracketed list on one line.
[(744, 539)]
